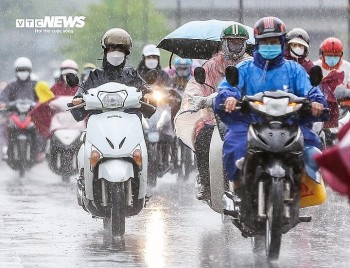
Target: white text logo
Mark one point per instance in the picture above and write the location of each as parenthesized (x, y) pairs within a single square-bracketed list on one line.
[(52, 22)]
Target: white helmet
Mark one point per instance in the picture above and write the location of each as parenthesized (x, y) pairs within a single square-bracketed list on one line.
[(22, 63), (150, 50), (69, 66)]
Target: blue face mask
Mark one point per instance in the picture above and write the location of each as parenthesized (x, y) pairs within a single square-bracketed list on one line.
[(270, 52), (331, 60)]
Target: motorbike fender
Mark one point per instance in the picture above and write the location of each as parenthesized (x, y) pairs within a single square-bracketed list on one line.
[(217, 186), (275, 169), (116, 170)]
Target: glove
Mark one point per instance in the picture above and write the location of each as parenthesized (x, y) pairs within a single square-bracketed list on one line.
[(199, 102)]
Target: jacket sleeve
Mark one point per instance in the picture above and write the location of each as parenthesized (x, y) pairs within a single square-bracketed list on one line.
[(80, 113), (5, 94)]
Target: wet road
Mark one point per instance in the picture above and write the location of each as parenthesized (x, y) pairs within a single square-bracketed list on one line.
[(41, 225)]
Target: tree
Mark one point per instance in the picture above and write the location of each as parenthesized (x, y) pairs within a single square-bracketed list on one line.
[(138, 18)]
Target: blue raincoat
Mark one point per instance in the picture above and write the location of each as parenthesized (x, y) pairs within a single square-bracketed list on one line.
[(256, 76)]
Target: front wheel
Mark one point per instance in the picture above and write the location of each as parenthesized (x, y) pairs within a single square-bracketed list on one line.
[(22, 156), (115, 221), (274, 218)]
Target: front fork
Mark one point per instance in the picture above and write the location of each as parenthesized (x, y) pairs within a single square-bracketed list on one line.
[(262, 200), (106, 196)]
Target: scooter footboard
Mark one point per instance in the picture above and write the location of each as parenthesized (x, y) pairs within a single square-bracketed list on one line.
[(116, 170)]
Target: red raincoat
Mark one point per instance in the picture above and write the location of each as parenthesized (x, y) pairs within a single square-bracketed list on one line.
[(41, 116), (62, 89)]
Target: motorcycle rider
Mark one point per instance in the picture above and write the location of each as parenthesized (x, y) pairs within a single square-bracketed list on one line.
[(183, 73), (336, 72), (151, 61), (42, 113), (298, 49), (233, 44), (331, 59), (116, 44), (61, 88), (21, 88), (268, 70)]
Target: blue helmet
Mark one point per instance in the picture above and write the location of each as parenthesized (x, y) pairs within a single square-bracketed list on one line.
[(183, 67)]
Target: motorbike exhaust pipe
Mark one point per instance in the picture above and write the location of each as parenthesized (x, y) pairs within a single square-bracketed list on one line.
[(261, 201)]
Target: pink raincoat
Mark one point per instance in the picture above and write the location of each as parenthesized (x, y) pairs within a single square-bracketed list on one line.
[(188, 125)]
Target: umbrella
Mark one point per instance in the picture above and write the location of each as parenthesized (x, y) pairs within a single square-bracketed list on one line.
[(198, 39)]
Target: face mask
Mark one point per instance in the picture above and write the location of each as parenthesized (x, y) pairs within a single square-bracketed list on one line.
[(235, 48), (332, 60), (233, 51), (115, 58), (151, 63), (183, 73), (270, 52), (297, 52), (22, 75)]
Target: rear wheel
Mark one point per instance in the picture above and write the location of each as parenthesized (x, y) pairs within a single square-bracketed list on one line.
[(153, 164), (274, 219), (116, 218), (185, 162)]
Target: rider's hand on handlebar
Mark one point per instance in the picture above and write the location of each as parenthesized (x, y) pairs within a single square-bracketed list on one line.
[(316, 108), (230, 104), (77, 101)]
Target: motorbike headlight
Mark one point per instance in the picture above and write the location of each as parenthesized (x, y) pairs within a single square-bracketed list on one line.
[(112, 99), (158, 96), (275, 107)]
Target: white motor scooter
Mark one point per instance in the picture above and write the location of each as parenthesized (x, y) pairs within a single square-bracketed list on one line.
[(64, 143), (113, 158)]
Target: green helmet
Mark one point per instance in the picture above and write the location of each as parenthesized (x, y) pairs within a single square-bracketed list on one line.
[(235, 30)]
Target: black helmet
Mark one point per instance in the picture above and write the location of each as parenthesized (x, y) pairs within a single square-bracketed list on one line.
[(269, 27)]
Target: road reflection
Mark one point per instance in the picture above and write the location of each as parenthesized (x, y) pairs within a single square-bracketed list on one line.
[(155, 240)]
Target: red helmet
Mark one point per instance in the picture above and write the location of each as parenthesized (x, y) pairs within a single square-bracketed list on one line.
[(332, 46), (269, 27)]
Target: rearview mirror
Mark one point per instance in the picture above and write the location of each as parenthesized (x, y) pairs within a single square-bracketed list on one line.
[(72, 79), (199, 75), (151, 77), (315, 75), (231, 74)]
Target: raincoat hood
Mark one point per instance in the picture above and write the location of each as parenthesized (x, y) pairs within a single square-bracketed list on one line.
[(43, 91)]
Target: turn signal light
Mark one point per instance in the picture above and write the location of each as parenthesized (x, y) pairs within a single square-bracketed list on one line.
[(137, 156), (259, 102), (95, 156), (292, 104)]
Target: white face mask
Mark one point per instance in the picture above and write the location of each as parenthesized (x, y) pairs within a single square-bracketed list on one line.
[(22, 75), (115, 58), (297, 52), (151, 63)]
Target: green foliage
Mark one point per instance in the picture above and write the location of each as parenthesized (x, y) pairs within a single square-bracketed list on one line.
[(138, 18)]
